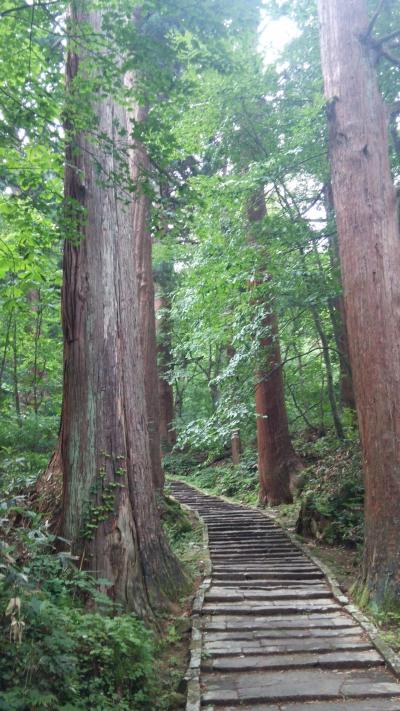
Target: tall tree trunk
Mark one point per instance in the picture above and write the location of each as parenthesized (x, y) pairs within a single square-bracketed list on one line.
[(337, 310), (166, 393), (329, 373), (236, 444), (38, 331), (17, 399), (109, 507), (369, 245), (5, 349), (139, 165), (235, 447), (276, 457)]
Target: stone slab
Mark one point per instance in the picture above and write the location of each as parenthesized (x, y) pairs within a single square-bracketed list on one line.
[(364, 705), (299, 685), (348, 659), (284, 645), (270, 607), (274, 635), (218, 592), (260, 622)]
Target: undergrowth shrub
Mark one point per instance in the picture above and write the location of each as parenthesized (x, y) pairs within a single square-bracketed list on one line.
[(332, 493), (64, 644), (66, 658), (56, 652)]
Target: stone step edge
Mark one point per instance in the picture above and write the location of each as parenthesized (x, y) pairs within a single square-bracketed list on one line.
[(192, 676), (391, 658)]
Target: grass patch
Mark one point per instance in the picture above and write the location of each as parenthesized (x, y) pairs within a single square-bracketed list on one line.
[(239, 483)]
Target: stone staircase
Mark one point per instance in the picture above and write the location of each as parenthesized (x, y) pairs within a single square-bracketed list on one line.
[(273, 636)]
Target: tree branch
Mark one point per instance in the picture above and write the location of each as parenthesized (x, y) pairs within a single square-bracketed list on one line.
[(390, 57), (374, 19), (394, 109), (26, 7), (389, 37)]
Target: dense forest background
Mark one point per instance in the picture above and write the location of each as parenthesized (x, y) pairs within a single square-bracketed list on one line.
[(255, 396)]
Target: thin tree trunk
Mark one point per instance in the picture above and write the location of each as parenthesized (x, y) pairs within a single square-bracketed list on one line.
[(337, 311), (235, 447), (139, 164), (109, 507), (166, 393), (38, 330), (276, 457), (369, 244), (329, 373), (17, 400), (5, 349), (338, 320)]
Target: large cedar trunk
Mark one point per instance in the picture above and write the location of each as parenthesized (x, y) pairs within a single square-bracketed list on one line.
[(369, 245), (166, 394), (277, 460), (109, 508), (139, 164)]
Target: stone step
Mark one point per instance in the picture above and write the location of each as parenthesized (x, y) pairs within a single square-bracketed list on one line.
[(264, 572), (247, 531), (259, 553), (297, 685), (258, 545), (222, 623), (345, 659), (259, 564), (219, 593), (267, 574), (265, 584), (366, 704), (274, 563), (285, 644), (322, 635), (276, 607), (242, 524)]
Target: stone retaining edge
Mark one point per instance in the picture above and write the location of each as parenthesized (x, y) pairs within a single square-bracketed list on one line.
[(391, 658), (192, 676)]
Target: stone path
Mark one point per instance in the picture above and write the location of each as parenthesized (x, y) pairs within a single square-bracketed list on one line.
[(274, 638)]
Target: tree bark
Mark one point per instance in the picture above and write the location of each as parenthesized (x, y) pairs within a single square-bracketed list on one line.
[(276, 457), (369, 246), (109, 507), (139, 165)]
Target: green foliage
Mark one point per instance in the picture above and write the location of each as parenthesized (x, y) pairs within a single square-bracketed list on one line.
[(184, 534), (71, 659), (62, 644)]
